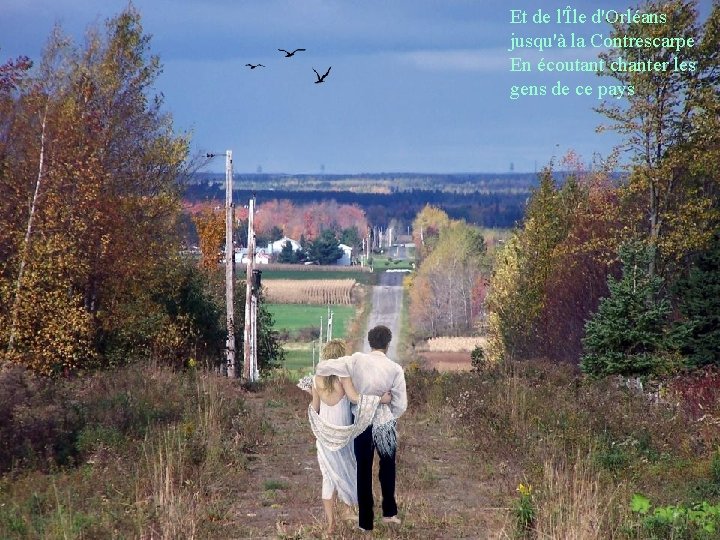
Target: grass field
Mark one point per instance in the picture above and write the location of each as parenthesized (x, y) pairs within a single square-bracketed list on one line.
[(293, 317), (298, 360), (385, 263)]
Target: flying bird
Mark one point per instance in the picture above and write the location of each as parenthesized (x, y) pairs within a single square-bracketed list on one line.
[(253, 66), (319, 78), (288, 54)]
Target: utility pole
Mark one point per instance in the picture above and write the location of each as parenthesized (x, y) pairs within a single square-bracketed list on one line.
[(229, 265), (321, 334), (249, 351), (329, 333), (254, 372)]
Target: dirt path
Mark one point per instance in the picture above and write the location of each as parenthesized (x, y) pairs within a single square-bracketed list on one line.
[(444, 490)]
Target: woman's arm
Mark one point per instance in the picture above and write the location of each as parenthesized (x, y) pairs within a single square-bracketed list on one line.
[(349, 388), (315, 400), (353, 395)]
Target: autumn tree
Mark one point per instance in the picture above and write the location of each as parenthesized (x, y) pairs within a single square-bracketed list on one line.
[(210, 227), (527, 262), (281, 217), (426, 229), (670, 128), (582, 262), (99, 162), (443, 293)]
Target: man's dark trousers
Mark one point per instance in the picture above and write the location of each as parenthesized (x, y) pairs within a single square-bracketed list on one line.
[(364, 453)]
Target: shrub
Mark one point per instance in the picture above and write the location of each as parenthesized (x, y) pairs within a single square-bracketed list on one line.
[(715, 467), (39, 423), (477, 358)]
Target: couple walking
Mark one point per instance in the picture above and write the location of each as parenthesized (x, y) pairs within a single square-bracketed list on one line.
[(356, 402)]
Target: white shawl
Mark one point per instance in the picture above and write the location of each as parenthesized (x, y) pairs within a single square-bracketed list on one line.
[(369, 411)]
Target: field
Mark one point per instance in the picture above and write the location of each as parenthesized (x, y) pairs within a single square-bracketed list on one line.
[(300, 272), (300, 358), (384, 263), (322, 292), (446, 361), (452, 344), (295, 318)]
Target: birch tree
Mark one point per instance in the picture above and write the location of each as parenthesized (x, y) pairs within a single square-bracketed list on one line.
[(670, 130)]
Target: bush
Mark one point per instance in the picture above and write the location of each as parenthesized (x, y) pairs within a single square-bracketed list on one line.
[(49, 422), (477, 358), (39, 423)]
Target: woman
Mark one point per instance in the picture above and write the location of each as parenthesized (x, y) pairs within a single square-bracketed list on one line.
[(333, 427)]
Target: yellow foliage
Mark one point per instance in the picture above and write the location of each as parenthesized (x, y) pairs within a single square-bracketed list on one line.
[(211, 232), (426, 229)]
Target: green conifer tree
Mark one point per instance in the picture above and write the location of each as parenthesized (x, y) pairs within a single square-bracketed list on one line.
[(325, 250), (629, 333), (699, 303), (287, 255)]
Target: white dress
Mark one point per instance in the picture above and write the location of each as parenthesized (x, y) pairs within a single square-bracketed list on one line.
[(338, 468)]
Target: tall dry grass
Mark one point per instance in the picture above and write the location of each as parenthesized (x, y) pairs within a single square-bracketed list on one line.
[(151, 453), (575, 504), (584, 446), (171, 476), (170, 502), (321, 292)]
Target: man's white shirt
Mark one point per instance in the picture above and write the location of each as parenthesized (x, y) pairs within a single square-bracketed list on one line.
[(374, 373)]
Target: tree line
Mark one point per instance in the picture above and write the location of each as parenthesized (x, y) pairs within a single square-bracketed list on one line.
[(499, 210)]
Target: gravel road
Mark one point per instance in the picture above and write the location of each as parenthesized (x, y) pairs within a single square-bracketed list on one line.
[(386, 309)]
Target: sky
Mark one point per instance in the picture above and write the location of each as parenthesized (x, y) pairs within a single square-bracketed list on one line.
[(415, 86)]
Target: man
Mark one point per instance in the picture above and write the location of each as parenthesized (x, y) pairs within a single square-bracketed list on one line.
[(374, 373)]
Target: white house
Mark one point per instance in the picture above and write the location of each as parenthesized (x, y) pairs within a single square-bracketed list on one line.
[(346, 258), (261, 256), (274, 248)]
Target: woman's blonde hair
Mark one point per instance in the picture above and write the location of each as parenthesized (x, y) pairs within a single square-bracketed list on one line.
[(335, 348)]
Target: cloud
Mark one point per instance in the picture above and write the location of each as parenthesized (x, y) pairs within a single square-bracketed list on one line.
[(470, 60)]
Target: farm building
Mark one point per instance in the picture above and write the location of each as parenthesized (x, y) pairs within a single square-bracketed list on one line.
[(346, 258), (276, 247)]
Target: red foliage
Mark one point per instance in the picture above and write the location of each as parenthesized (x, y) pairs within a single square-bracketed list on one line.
[(12, 72), (308, 220), (579, 280), (698, 393)]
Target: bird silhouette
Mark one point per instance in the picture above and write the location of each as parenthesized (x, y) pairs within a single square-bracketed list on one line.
[(319, 78), (253, 66), (288, 54)]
